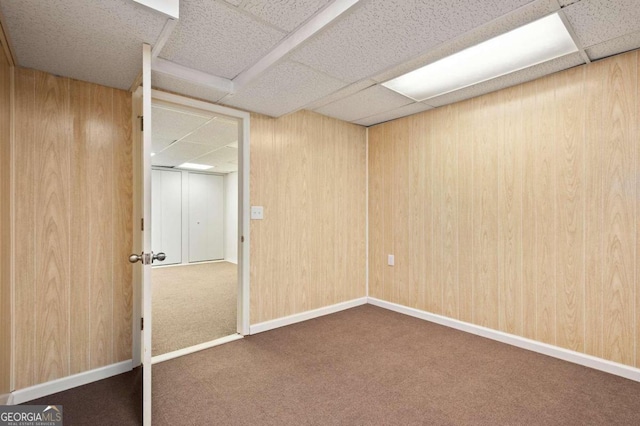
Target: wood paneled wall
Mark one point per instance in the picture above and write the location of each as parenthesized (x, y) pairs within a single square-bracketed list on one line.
[(73, 227), (5, 229), (518, 210), (308, 171)]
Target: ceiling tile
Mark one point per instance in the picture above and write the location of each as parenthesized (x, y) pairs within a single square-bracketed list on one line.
[(224, 159), (98, 41), (597, 21), (217, 133), (285, 14), (340, 93), (393, 114), (172, 124), (383, 33), (284, 88), (218, 39), (615, 46), (186, 88), (501, 25), (234, 2), (372, 101), (178, 153), (509, 80), (158, 143)]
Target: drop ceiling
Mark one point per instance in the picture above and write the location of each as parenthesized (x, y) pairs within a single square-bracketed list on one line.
[(189, 136), (337, 71)]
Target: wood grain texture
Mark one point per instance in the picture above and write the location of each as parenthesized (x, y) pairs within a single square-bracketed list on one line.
[(122, 213), (52, 226), (619, 220), (400, 216), (546, 213), (376, 215), (73, 217), (489, 118), (570, 224), (545, 207), (5, 226), (594, 94), (25, 273), (80, 275), (308, 171), (510, 214)]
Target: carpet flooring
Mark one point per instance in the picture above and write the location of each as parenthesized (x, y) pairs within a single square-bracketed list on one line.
[(193, 304), (370, 366)]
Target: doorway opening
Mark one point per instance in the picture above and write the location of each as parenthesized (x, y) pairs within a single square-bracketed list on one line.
[(199, 211)]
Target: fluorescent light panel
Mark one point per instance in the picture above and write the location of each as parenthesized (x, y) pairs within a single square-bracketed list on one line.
[(523, 47), (194, 166)]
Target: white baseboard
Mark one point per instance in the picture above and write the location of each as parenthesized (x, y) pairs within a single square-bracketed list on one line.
[(196, 348), (44, 389), (521, 342), (303, 316)]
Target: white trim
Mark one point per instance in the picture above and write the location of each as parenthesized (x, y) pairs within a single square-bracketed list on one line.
[(299, 36), (307, 315), (163, 37), (169, 8), (44, 389), (610, 367), (196, 348), (189, 74)]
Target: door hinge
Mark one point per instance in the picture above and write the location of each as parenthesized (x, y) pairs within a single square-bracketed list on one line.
[(141, 123), (242, 239), (141, 323), (142, 224)]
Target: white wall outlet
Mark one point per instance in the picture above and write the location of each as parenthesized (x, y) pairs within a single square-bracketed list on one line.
[(391, 260), (257, 212)]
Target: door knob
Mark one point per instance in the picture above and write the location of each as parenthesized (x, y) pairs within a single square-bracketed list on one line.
[(135, 258), (159, 257)]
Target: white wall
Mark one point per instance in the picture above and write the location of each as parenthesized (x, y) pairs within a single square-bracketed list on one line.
[(231, 217), (166, 214)]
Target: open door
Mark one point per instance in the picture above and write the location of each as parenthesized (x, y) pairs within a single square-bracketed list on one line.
[(146, 257)]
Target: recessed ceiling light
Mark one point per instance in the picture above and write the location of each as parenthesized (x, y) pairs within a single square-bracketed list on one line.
[(523, 47), (153, 153), (194, 166)]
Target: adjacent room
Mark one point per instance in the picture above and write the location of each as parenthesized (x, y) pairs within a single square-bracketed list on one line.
[(194, 222), (320, 211)]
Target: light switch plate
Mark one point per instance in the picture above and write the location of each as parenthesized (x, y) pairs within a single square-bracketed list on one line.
[(257, 212), (391, 260)]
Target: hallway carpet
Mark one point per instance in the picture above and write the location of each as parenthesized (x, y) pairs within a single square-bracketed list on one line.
[(370, 366), (193, 304)]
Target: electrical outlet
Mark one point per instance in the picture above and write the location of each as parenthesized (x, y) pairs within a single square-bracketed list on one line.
[(257, 212), (391, 260)]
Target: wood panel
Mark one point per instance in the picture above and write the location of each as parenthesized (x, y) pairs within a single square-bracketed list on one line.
[(510, 214), (24, 209), (308, 171), (5, 228), (73, 225), (546, 209), (400, 216), (569, 155), (376, 215), (619, 220), (489, 118), (123, 225)]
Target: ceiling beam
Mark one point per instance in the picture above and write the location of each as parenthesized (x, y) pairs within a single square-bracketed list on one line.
[(295, 39), (189, 74)]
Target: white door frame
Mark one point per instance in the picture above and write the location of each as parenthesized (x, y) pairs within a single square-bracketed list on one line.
[(243, 213)]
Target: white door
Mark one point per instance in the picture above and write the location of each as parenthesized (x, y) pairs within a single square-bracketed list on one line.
[(206, 217), (166, 214)]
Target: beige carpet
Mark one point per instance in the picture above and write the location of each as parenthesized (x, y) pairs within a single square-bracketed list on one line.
[(193, 304)]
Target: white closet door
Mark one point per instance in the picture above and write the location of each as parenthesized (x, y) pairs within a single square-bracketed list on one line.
[(206, 217), (166, 215)]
